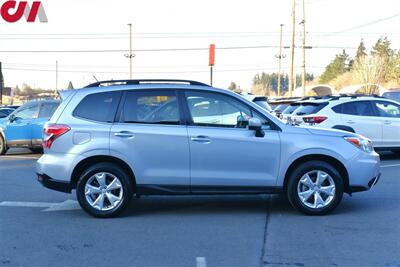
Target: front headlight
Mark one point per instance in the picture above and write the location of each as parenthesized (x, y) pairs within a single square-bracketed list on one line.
[(362, 143)]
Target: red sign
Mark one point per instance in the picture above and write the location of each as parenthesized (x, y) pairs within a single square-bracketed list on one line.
[(13, 11), (212, 55)]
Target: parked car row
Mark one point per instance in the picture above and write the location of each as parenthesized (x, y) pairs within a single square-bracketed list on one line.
[(374, 117), (153, 137)]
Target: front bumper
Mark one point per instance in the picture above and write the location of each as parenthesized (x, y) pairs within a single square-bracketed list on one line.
[(48, 182), (374, 181), (364, 172)]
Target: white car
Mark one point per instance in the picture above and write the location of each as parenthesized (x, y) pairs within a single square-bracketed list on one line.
[(373, 117), (262, 101)]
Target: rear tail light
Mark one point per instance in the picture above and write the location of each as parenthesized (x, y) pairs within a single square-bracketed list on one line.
[(315, 119), (51, 132)]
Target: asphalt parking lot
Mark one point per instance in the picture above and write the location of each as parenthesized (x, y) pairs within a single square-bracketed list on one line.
[(40, 227)]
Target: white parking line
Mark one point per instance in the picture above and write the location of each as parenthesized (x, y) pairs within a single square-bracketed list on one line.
[(390, 166), (201, 262), (63, 206)]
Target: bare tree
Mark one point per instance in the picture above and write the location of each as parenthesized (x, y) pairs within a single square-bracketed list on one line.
[(369, 70)]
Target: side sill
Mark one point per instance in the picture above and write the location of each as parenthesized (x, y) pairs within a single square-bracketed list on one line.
[(205, 190)]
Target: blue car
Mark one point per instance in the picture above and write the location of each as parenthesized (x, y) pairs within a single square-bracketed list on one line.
[(24, 127)]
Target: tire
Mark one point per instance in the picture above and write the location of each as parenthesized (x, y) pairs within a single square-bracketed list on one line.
[(3, 148), (104, 202), (329, 197)]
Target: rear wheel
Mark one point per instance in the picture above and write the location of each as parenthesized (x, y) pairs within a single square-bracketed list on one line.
[(104, 190), (315, 188), (3, 148)]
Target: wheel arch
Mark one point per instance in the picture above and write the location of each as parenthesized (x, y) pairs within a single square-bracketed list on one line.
[(84, 164), (319, 157)]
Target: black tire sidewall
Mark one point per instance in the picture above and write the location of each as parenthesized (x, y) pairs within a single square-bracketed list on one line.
[(110, 168), (3, 148), (299, 172)]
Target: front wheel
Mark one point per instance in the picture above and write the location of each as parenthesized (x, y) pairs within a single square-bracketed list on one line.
[(315, 188), (104, 190), (3, 148)]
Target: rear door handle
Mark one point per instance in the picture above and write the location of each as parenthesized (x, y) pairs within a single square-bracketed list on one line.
[(351, 122), (387, 122), (125, 134), (201, 139)]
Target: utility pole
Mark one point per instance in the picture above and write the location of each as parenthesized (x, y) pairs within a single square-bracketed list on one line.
[(292, 48), (280, 56), (1, 84), (56, 76), (130, 55), (303, 63)]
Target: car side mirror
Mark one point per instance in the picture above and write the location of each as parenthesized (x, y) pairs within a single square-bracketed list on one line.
[(256, 125), (11, 118)]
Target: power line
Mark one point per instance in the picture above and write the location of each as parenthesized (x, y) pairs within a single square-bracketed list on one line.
[(167, 49), (141, 72), (364, 25)]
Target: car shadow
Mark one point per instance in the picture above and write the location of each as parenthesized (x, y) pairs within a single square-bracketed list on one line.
[(196, 205), (385, 155)]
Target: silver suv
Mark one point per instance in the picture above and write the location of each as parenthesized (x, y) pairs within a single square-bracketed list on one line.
[(155, 137)]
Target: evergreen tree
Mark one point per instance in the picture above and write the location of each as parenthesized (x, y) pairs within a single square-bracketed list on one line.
[(340, 65), (361, 51), (232, 86)]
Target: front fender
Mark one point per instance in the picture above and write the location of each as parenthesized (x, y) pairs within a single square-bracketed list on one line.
[(286, 163)]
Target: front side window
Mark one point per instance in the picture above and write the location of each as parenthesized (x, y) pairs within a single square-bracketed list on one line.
[(217, 110), (387, 109), (99, 107), (27, 113), (151, 107)]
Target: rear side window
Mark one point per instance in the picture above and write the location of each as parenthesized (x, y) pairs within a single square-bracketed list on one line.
[(356, 108), (310, 108), (151, 107), (99, 107), (47, 110)]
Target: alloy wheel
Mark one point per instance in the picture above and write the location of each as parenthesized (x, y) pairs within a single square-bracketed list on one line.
[(316, 189), (103, 191)]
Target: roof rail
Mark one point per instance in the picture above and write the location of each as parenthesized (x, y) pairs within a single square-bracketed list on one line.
[(137, 82)]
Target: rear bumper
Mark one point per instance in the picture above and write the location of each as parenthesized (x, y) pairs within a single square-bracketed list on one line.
[(48, 182)]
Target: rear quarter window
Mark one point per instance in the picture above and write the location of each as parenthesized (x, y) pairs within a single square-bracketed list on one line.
[(99, 107)]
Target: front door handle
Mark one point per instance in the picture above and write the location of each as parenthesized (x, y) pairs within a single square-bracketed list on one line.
[(351, 122), (125, 134), (201, 139), (387, 122)]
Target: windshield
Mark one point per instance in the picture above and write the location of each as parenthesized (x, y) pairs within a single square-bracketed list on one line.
[(290, 109), (264, 105), (309, 108), (281, 107)]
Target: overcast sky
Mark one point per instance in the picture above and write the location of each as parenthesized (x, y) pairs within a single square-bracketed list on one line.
[(160, 24)]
